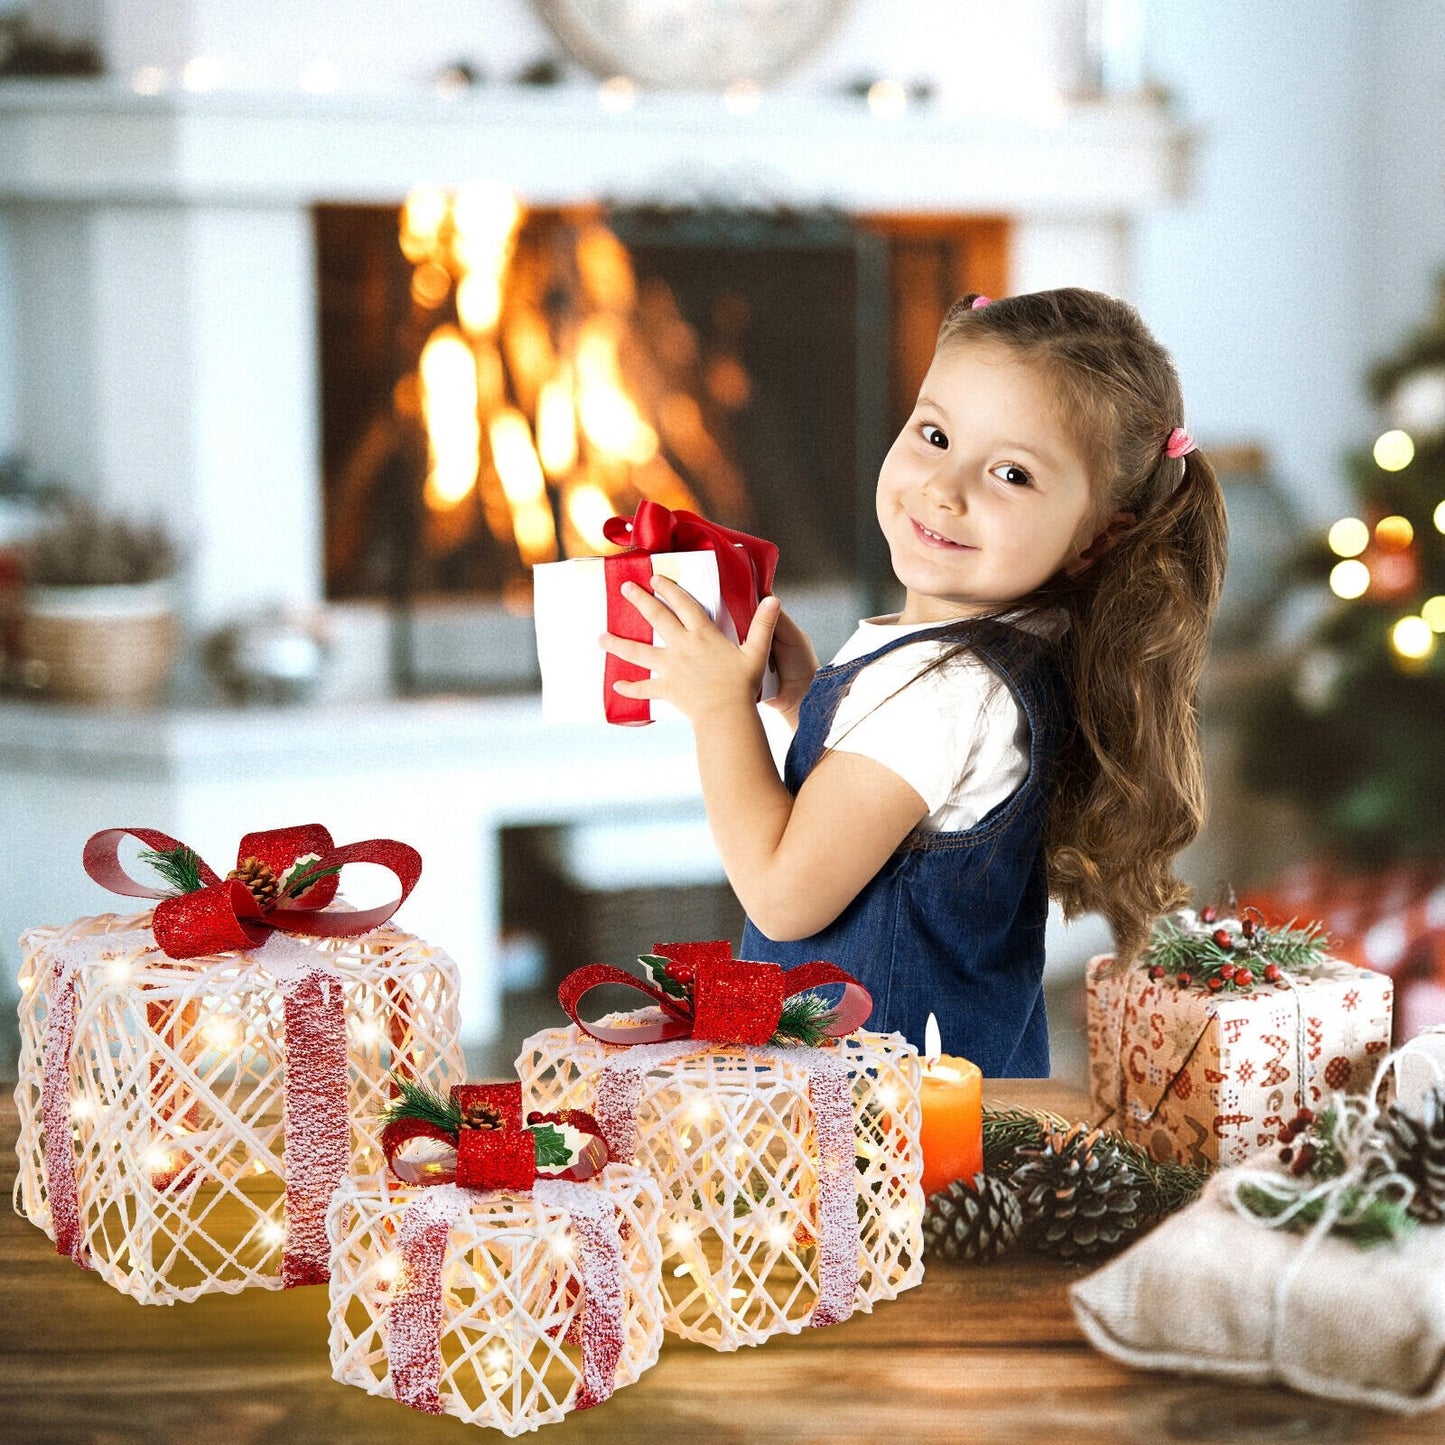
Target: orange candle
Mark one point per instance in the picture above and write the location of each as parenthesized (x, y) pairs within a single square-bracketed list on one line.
[(952, 1100)]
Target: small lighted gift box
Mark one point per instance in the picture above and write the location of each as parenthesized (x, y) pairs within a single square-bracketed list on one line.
[(515, 1279), (1223, 1028), (184, 1119), (789, 1170), (574, 602)]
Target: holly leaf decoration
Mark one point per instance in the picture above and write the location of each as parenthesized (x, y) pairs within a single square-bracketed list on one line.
[(305, 873), (656, 966), (551, 1145)]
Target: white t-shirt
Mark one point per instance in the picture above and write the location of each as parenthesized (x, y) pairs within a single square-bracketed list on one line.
[(957, 737)]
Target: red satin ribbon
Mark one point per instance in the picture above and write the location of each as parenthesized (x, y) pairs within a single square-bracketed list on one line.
[(745, 568), (734, 1001), (499, 1158), (223, 914)]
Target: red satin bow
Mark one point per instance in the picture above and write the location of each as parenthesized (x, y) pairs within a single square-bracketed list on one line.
[(745, 569), (734, 1001), (223, 914), (500, 1157)]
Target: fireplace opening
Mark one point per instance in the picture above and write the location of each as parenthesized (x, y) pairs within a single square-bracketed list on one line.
[(498, 380)]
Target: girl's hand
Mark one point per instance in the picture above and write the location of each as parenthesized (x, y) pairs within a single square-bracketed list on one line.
[(696, 668), (796, 662)]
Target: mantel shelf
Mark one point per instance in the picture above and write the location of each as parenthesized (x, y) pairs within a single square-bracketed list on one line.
[(99, 141)]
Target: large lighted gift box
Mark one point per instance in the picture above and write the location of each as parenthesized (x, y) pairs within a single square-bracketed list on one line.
[(187, 1107), (1202, 1049), (513, 1278), (576, 601), (784, 1139)]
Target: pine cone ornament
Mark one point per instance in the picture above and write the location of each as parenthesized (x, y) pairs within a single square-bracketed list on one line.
[(1080, 1195), (975, 1221), (257, 877), (1416, 1141)]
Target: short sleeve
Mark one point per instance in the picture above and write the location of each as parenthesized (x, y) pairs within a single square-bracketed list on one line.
[(926, 729)]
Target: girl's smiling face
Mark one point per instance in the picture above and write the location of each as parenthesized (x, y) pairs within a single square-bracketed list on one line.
[(984, 495)]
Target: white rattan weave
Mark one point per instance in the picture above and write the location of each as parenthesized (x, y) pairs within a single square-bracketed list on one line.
[(729, 1135), (176, 1082), (511, 1296)]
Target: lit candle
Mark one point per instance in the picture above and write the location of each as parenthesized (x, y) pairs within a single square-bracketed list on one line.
[(952, 1099)]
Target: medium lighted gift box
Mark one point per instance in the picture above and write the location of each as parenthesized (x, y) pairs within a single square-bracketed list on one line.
[(187, 1107), (1202, 1049), (514, 1277), (790, 1171), (576, 601)]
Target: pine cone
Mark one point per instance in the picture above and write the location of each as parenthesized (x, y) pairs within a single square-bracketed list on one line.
[(975, 1221), (259, 879), (481, 1116), (1416, 1141), (1079, 1193)]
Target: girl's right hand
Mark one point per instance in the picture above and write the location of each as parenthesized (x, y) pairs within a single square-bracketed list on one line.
[(796, 662)]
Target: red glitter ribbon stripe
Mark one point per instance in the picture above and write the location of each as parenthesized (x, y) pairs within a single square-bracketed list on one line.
[(734, 1001), (624, 620), (830, 1087), (415, 1313), (60, 1187), (316, 1120)]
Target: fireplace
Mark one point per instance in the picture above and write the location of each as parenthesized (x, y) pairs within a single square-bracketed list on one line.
[(496, 380)]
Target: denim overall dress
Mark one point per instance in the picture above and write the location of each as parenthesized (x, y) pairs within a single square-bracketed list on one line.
[(953, 923)]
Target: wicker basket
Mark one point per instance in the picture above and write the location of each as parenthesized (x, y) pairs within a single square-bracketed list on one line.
[(102, 645)]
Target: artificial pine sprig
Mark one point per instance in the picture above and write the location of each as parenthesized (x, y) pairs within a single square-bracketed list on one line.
[(804, 1021), (416, 1101), (1167, 1185), (179, 866), (1230, 954)]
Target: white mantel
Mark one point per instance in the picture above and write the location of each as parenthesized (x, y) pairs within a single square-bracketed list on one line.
[(165, 272)]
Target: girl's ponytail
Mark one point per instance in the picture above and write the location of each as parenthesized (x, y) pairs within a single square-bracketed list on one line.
[(1130, 793)]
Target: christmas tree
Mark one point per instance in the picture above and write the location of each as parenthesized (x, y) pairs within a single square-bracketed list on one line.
[(1352, 731)]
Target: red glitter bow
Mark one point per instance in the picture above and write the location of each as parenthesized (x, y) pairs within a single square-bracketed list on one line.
[(224, 914), (732, 1000), (492, 1149), (745, 568)]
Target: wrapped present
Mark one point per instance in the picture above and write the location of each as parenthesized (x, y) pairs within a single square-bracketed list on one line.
[(785, 1142), (1321, 1267), (574, 602), (1201, 1049), (522, 1282), (196, 1080)]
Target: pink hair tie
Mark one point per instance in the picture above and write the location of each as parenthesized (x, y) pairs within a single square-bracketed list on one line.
[(978, 303), (1180, 443)]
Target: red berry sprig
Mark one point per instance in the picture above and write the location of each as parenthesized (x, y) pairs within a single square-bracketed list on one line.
[(1224, 956)]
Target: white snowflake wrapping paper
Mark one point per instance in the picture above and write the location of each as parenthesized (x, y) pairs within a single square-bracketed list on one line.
[(176, 1085), (515, 1283), (732, 1137), (1211, 1078)]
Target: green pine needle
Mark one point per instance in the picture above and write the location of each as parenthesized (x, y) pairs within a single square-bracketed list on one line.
[(419, 1102), (179, 866), (804, 1021)]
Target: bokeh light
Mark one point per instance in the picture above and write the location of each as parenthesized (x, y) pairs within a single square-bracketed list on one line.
[(1349, 537), (1349, 579), (1394, 450)]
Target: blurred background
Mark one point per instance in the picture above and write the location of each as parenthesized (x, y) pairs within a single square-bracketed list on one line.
[(320, 326)]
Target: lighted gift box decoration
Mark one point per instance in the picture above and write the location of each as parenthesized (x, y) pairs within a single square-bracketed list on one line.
[(196, 1080), (513, 1276), (574, 602), (1225, 1027), (790, 1170)]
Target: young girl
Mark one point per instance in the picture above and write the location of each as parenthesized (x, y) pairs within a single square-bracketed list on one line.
[(1025, 726)]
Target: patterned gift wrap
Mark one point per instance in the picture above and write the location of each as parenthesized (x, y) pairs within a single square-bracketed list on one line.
[(517, 1281), (1211, 1078), (790, 1177), (175, 1085)]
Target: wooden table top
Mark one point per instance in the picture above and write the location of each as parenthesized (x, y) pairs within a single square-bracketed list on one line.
[(976, 1355)]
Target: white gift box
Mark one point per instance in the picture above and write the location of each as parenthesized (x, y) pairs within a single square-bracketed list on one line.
[(570, 612)]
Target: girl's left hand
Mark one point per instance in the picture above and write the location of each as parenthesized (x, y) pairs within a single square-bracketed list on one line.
[(696, 668)]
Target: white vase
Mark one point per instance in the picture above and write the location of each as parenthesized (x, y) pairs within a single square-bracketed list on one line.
[(101, 645)]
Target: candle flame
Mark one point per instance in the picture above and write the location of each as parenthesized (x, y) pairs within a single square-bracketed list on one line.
[(932, 1041)]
